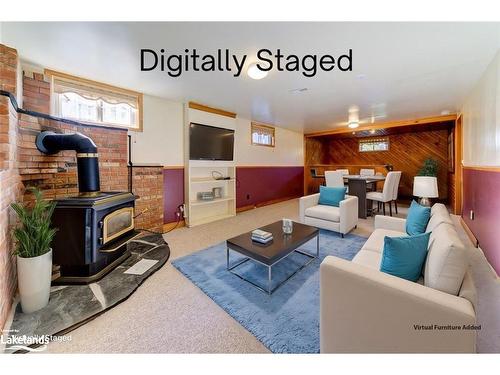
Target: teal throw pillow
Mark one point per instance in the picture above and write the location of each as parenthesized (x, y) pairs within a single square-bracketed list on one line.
[(405, 256), (418, 217), (331, 196)]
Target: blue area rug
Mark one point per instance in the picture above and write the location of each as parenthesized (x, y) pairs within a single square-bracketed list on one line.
[(288, 320)]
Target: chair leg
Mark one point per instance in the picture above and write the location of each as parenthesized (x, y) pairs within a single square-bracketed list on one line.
[(390, 208), (383, 205), (396, 206), (342, 234)]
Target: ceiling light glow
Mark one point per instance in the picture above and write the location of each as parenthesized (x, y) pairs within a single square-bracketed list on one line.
[(353, 121), (254, 72)]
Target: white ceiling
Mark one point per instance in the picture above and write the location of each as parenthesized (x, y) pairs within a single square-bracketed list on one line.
[(401, 70)]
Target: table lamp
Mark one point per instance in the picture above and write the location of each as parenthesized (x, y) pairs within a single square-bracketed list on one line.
[(425, 187)]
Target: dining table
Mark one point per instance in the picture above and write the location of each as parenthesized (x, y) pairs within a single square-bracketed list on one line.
[(358, 186)]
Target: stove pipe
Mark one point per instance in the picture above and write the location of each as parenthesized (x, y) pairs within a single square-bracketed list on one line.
[(86, 156)]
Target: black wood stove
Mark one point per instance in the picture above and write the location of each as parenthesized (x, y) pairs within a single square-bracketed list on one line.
[(93, 227)]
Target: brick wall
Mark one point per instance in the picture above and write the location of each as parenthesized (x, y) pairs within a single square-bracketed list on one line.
[(10, 185), (8, 69), (148, 185), (36, 92), (56, 174)]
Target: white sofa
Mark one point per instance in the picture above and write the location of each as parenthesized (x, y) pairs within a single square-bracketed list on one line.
[(364, 310), (340, 219)]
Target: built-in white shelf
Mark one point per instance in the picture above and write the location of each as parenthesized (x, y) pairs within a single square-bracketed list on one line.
[(216, 200), (202, 180), (198, 175)]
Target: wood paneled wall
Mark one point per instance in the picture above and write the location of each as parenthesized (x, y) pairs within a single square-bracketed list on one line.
[(407, 152), (316, 151)]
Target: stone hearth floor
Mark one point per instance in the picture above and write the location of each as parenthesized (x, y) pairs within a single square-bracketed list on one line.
[(70, 306)]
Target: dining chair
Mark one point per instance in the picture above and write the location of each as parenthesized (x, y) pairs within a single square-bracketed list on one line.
[(367, 172), (387, 193), (344, 171), (334, 179), (396, 189)]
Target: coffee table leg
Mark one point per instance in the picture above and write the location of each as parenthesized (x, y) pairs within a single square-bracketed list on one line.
[(269, 279), (317, 246), (227, 257)]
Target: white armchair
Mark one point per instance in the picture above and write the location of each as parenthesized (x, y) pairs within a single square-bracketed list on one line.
[(340, 219)]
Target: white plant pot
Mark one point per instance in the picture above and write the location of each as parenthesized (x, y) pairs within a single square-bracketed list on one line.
[(34, 277)]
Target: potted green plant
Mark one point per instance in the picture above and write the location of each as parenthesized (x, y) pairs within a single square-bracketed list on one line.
[(429, 168), (33, 237)]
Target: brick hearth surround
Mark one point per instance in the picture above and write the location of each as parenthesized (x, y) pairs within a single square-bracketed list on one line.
[(22, 165), (56, 175), (148, 184)]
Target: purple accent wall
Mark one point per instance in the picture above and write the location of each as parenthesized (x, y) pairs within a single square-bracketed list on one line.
[(173, 192), (256, 185), (481, 193)]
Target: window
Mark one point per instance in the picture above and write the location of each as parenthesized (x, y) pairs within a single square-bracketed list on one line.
[(374, 144), (262, 135), (97, 103)]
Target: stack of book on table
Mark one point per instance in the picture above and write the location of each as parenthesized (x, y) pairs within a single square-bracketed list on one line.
[(261, 236)]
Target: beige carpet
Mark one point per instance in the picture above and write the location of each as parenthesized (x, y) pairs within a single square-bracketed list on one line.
[(169, 314)]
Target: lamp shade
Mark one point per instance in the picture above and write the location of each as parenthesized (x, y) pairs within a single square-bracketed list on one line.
[(425, 187)]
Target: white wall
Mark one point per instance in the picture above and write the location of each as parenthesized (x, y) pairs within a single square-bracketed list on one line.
[(161, 141), (289, 149), (481, 119)]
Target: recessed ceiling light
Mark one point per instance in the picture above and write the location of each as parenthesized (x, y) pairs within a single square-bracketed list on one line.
[(353, 125), (372, 131), (254, 72)]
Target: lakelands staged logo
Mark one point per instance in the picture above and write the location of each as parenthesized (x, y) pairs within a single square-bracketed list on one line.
[(446, 327), (30, 343), (174, 64)]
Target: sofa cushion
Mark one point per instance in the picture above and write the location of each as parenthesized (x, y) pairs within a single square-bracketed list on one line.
[(418, 218), (329, 213), (446, 262), (439, 215), (404, 256), (331, 196), (368, 258), (437, 219), (439, 208), (376, 240)]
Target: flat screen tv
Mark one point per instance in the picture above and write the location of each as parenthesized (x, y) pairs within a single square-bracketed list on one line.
[(210, 143)]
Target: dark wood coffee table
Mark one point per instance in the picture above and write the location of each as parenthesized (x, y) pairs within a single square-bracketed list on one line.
[(269, 254)]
